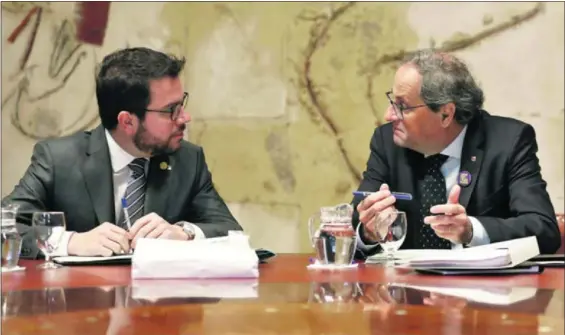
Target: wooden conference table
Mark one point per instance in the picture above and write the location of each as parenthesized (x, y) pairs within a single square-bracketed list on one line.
[(287, 298)]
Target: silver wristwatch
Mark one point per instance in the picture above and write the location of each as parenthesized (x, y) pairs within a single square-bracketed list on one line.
[(187, 228)]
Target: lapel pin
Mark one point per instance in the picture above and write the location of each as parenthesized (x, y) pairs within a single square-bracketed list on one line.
[(164, 166), (473, 158), (464, 178)]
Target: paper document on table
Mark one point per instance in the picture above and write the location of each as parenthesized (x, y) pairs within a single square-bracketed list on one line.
[(464, 258), (493, 295), (491, 256), (222, 257), (93, 260), (405, 255)]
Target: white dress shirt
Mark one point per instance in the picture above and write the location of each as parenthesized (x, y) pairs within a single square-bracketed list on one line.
[(121, 173), (450, 170)]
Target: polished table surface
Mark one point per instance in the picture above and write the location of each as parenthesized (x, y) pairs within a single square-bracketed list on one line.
[(287, 298)]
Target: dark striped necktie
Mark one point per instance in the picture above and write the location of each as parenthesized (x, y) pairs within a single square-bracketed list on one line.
[(135, 192)]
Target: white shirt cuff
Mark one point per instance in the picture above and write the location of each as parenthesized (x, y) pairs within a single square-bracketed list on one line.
[(62, 249), (360, 244), (198, 233), (480, 235)]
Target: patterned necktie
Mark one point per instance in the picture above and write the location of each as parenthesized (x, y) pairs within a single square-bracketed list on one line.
[(432, 192), (135, 192)]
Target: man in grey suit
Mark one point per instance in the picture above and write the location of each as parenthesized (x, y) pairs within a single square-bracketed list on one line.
[(136, 157)]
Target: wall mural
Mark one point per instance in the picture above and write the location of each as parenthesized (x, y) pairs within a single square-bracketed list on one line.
[(34, 81), (311, 94)]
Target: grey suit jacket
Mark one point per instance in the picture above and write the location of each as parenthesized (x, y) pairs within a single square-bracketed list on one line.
[(73, 174)]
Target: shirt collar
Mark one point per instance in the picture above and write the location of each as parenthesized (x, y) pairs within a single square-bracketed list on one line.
[(118, 156), (455, 148)]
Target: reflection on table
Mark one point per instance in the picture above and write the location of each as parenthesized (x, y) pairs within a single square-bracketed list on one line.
[(374, 296)]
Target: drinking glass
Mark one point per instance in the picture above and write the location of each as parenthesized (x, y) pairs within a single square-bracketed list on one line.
[(49, 228), (11, 239), (391, 228), (332, 236)]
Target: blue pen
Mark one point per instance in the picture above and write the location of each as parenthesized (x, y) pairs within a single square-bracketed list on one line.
[(126, 213), (397, 195)]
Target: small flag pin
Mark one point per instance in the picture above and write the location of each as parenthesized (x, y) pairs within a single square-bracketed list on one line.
[(473, 158)]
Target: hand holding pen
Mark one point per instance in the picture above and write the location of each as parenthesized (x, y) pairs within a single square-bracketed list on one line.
[(104, 240), (373, 205)]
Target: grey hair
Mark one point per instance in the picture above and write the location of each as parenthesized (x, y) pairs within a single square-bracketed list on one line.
[(445, 79)]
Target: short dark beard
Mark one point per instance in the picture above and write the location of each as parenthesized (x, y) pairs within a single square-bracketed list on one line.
[(141, 144)]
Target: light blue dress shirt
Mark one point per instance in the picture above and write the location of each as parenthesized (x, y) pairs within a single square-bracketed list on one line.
[(450, 170)]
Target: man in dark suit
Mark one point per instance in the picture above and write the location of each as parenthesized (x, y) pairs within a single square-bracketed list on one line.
[(475, 178), (137, 156)]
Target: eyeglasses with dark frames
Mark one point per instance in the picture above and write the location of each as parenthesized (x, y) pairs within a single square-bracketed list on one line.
[(174, 110), (398, 109)]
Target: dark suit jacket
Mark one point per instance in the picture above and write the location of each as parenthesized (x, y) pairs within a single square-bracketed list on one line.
[(73, 174), (507, 193)]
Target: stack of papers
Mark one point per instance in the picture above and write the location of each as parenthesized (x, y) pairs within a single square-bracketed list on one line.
[(464, 258), (404, 255), (499, 255), (221, 257)]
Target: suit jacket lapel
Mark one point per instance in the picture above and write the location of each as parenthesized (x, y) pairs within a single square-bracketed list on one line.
[(97, 172), (158, 179), (407, 172), (471, 160), (407, 166)]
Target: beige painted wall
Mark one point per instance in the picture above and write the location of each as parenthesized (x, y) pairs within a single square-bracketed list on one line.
[(285, 96)]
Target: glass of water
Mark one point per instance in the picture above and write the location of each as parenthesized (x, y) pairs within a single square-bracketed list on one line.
[(333, 236), (391, 229), (49, 228), (11, 239)]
